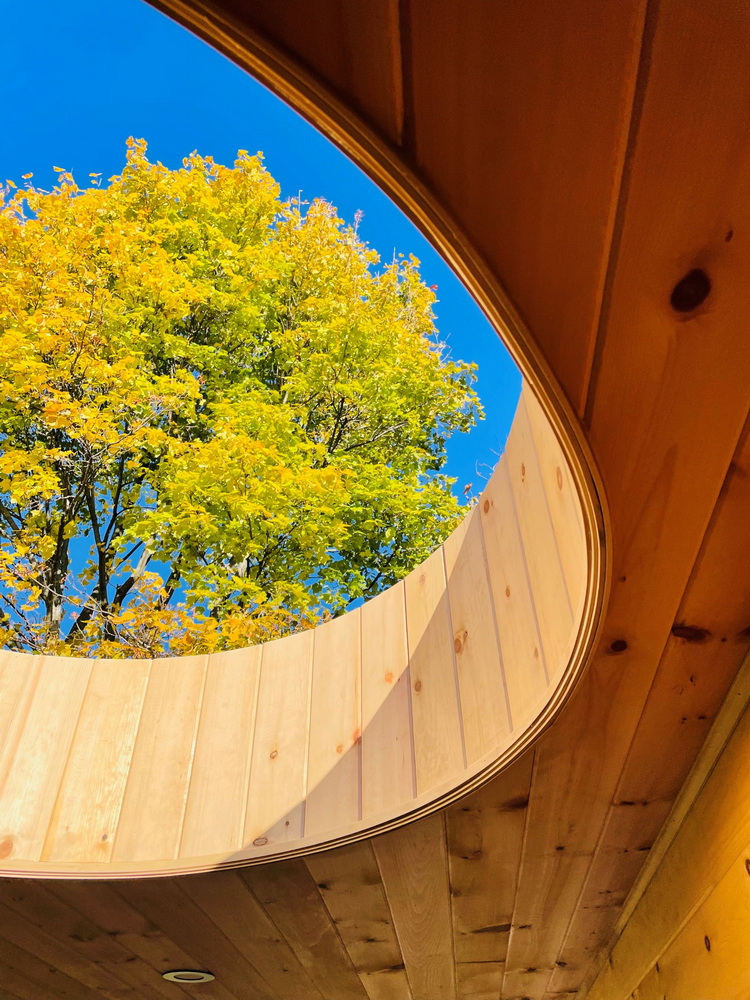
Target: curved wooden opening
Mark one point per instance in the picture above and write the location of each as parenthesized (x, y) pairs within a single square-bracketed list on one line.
[(119, 767)]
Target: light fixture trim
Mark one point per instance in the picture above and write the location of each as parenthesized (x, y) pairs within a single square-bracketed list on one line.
[(188, 976)]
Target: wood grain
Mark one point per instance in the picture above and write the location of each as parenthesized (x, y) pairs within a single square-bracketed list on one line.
[(37, 746), (485, 710), (350, 886), (523, 655), (215, 810), (279, 770), (153, 806), (413, 864), (88, 804), (388, 769), (438, 733), (334, 766)]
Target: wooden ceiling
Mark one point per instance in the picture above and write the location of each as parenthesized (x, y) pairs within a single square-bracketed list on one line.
[(574, 162)]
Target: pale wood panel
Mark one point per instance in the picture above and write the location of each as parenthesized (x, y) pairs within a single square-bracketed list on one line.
[(534, 940), (484, 700), (333, 769), (18, 674), (575, 771), (19, 680), (350, 885), (413, 865), (153, 807), (438, 736), (215, 812), (37, 752), (278, 771), (88, 804), (388, 779), (523, 656), (551, 601), (562, 501), (485, 835), (290, 897)]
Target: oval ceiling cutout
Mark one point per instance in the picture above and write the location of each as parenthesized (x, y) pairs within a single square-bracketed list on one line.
[(367, 722)]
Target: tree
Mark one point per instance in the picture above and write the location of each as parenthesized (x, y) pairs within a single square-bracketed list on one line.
[(219, 421)]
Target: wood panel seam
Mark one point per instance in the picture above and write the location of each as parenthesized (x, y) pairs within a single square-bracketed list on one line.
[(454, 659), (637, 102), (495, 624)]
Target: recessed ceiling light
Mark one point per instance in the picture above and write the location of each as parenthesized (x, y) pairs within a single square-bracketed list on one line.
[(188, 976)]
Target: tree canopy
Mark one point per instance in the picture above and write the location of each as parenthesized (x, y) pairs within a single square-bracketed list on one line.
[(220, 419)]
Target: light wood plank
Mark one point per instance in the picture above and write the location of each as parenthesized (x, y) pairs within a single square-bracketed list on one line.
[(153, 808), (562, 501), (18, 674), (551, 602), (37, 755), (388, 778), (215, 811), (88, 804), (278, 773), (484, 699), (521, 646), (350, 885), (334, 766), (413, 865), (663, 443), (438, 736)]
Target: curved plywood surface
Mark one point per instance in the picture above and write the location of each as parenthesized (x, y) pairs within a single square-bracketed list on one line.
[(119, 767)]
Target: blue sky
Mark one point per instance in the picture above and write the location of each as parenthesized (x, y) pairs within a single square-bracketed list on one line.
[(81, 76)]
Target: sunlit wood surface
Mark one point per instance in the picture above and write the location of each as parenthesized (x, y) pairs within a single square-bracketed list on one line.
[(573, 162)]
